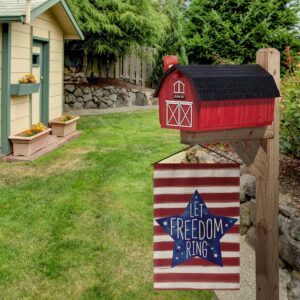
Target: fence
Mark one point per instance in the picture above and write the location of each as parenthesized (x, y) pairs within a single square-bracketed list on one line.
[(130, 68)]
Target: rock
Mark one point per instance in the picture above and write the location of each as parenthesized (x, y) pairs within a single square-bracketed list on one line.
[(286, 210), (95, 98), (87, 90), (140, 99), (70, 98), (67, 77), (108, 102), (78, 106), (113, 97), (253, 211), (70, 88), (109, 87), (103, 105), (79, 75), (66, 71), (247, 187), (105, 93), (283, 224), (90, 105), (250, 237), (78, 92), (154, 101), (294, 228), (87, 97), (99, 93), (284, 199), (289, 250), (245, 217), (73, 69), (79, 99), (123, 91), (113, 90), (67, 108), (293, 287), (132, 97)]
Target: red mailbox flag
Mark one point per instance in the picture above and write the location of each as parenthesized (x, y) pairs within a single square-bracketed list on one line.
[(196, 226)]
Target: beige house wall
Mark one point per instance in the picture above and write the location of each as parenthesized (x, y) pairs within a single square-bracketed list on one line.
[(23, 109)]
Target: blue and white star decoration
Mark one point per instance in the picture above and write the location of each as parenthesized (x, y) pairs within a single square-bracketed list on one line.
[(196, 232)]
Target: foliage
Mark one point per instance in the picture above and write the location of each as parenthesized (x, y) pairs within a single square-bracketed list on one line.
[(173, 42), (27, 78), (236, 29), (35, 129), (290, 115), (66, 118), (85, 230), (113, 28)]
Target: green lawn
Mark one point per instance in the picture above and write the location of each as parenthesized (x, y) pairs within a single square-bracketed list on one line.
[(77, 223)]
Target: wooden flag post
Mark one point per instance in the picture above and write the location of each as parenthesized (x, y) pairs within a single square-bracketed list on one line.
[(258, 147)]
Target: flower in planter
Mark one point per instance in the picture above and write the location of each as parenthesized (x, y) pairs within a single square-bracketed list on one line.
[(66, 118), (35, 129), (27, 78)]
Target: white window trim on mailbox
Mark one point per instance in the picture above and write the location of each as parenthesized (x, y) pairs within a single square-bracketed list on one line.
[(179, 87)]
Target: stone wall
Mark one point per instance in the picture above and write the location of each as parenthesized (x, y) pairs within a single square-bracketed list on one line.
[(81, 95), (288, 220), (78, 96)]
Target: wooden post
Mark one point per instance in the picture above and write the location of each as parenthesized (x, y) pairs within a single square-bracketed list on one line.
[(258, 147), (267, 198)]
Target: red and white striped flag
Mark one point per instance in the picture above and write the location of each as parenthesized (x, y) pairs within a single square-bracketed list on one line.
[(177, 188)]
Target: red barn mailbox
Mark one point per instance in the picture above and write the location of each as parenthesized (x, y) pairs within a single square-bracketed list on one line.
[(215, 97)]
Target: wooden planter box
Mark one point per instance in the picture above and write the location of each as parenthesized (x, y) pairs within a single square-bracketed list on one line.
[(24, 89), (60, 128), (26, 146)]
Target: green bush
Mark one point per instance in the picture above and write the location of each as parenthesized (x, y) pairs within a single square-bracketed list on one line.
[(290, 115)]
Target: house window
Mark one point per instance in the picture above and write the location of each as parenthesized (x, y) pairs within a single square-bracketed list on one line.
[(35, 60), (179, 87)]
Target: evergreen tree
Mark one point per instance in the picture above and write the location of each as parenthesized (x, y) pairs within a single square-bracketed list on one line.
[(235, 29), (113, 28), (173, 42)]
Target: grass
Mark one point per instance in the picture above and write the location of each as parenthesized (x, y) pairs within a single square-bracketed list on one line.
[(77, 223)]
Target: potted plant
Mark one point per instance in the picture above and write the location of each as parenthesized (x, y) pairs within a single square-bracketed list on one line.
[(27, 85), (64, 125), (31, 140)]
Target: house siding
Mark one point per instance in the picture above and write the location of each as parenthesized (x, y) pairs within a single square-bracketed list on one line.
[(24, 109), (47, 23)]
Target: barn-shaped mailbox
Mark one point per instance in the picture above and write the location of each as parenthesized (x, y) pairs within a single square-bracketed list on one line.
[(216, 97)]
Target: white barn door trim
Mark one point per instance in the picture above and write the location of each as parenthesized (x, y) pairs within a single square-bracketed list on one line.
[(179, 113)]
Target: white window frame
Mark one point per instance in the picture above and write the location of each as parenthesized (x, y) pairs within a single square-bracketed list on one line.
[(178, 113), (177, 87)]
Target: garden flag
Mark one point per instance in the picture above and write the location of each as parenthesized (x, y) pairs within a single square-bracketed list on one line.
[(196, 226)]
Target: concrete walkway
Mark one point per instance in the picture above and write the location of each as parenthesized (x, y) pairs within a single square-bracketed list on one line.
[(93, 112)]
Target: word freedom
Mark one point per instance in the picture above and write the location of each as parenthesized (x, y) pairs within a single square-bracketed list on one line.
[(196, 231)]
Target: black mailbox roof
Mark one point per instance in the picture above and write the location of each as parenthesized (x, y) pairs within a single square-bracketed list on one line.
[(221, 82)]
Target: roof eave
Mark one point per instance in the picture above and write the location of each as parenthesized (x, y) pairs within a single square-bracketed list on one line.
[(47, 5)]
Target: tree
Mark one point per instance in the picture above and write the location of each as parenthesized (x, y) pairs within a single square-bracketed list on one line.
[(235, 29), (113, 28), (173, 42)]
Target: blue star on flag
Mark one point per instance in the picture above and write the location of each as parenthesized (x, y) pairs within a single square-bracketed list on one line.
[(196, 232)]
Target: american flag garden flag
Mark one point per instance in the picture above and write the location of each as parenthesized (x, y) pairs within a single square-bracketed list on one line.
[(196, 226)]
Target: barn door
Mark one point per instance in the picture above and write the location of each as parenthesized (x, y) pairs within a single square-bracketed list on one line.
[(179, 113)]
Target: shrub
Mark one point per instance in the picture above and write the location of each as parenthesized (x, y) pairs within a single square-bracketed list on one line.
[(290, 115)]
